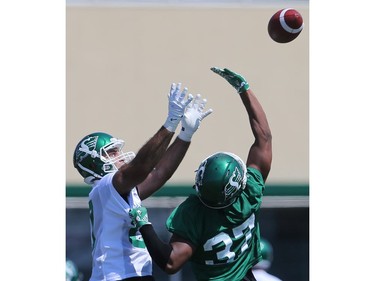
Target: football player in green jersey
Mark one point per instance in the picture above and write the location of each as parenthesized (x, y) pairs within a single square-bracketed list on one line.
[(217, 228)]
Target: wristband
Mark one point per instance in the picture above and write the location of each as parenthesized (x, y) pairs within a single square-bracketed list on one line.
[(185, 135)]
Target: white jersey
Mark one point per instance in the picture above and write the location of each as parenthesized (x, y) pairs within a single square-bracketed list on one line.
[(118, 250), (262, 275)]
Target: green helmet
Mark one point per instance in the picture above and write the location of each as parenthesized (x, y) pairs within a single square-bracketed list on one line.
[(267, 255), (72, 273), (91, 157), (220, 179)]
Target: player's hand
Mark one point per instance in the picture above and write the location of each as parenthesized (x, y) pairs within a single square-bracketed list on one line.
[(235, 79), (176, 106), (139, 217), (193, 117)]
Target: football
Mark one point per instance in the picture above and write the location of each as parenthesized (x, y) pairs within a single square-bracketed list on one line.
[(285, 25)]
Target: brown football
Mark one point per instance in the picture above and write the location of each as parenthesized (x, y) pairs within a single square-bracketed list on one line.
[(285, 25)]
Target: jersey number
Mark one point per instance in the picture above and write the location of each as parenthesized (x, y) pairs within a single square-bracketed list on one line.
[(241, 232)]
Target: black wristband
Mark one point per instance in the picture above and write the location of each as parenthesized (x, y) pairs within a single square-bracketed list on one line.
[(159, 251)]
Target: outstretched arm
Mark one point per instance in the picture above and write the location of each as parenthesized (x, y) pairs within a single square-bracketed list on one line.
[(171, 256), (176, 151), (164, 169), (260, 152), (133, 173)]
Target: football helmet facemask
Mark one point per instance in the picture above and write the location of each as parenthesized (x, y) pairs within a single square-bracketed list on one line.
[(220, 179), (93, 157)]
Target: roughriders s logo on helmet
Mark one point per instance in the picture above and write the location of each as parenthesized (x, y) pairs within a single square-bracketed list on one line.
[(233, 185), (87, 147)]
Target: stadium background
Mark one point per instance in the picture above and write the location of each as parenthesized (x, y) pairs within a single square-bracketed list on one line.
[(121, 59)]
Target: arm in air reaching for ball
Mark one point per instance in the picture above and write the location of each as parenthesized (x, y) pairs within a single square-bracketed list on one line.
[(260, 152), (191, 121)]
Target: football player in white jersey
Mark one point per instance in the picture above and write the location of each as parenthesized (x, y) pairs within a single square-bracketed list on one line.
[(120, 180)]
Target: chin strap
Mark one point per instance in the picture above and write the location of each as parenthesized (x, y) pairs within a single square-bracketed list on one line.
[(90, 180), (95, 175)]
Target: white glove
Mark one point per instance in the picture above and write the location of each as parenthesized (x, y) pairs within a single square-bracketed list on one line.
[(193, 117), (176, 106)]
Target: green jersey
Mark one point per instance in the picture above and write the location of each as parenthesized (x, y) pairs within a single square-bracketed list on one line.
[(227, 240)]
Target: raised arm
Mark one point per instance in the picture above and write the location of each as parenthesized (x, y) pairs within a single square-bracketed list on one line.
[(133, 173), (260, 152), (176, 151)]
